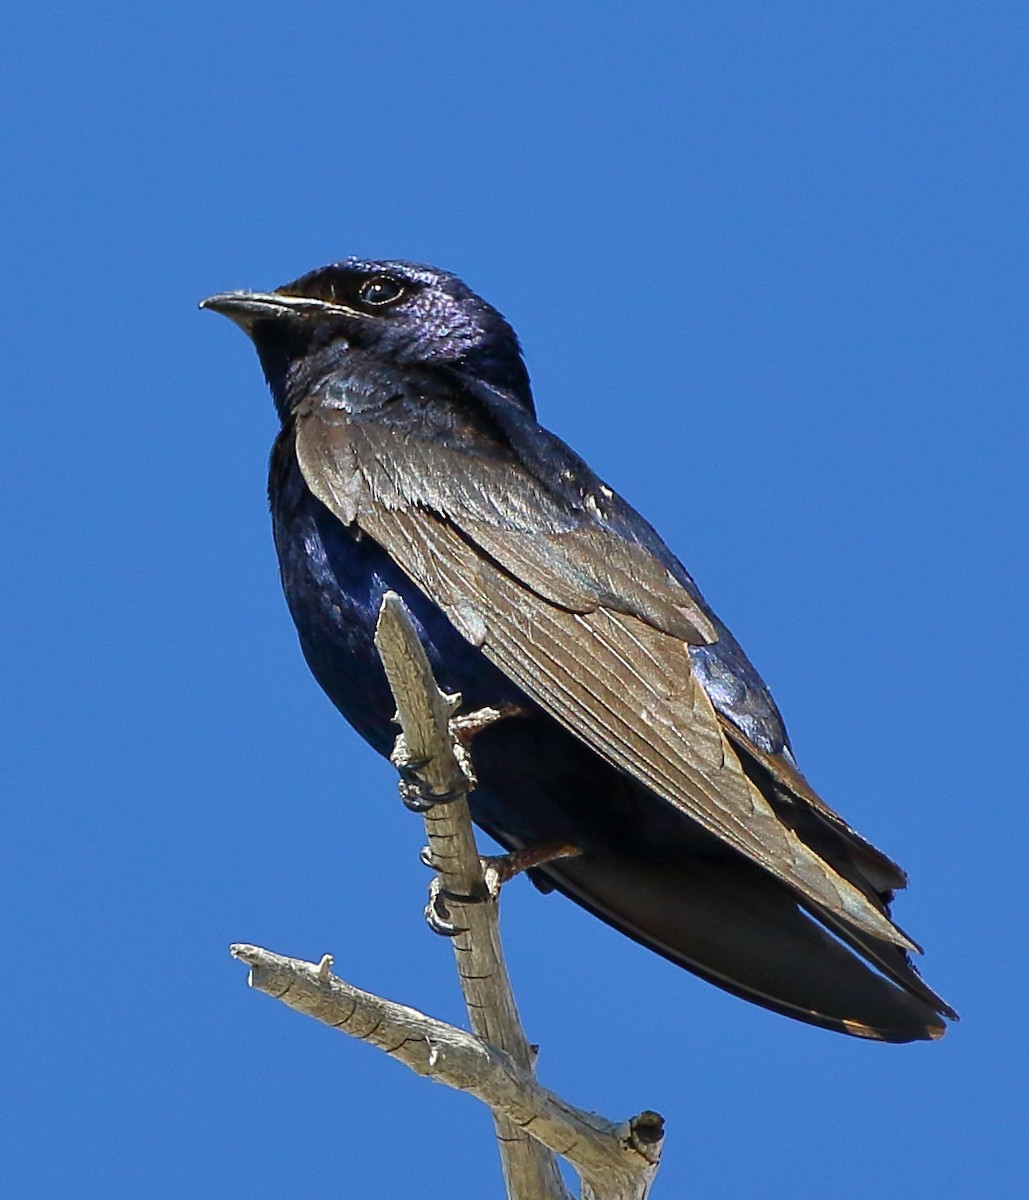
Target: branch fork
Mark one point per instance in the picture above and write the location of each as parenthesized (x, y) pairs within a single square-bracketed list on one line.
[(495, 1062)]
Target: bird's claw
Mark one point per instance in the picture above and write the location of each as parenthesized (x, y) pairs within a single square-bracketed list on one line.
[(412, 796), (415, 793), (437, 914)]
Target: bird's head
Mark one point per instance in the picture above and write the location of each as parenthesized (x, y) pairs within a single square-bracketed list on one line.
[(389, 314)]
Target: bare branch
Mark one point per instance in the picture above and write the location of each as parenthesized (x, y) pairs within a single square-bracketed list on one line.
[(433, 738), (495, 1062), (616, 1162), (530, 1172)]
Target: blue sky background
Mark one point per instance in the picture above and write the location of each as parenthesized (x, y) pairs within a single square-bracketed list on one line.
[(768, 262)]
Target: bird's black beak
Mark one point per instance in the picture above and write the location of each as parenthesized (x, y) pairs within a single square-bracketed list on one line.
[(247, 308)]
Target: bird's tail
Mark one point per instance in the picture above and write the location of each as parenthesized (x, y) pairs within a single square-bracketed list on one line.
[(726, 921)]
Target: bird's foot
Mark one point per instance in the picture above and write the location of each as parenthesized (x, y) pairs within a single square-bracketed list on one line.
[(497, 869), (417, 796), (416, 793)]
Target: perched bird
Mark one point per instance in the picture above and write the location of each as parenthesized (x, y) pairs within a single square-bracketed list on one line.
[(410, 459)]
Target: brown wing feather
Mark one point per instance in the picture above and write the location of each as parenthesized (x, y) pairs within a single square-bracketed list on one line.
[(657, 724), (882, 872), (584, 667), (563, 556)]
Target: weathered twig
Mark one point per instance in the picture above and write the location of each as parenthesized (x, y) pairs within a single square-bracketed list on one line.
[(495, 1062), (424, 713), (614, 1160)]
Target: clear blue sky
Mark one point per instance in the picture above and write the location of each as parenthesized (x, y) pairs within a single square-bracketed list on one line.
[(768, 263)]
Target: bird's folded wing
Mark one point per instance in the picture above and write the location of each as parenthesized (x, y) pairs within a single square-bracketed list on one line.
[(615, 670), (880, 870)]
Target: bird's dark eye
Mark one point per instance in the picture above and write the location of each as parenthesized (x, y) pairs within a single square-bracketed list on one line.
[(380, 291)]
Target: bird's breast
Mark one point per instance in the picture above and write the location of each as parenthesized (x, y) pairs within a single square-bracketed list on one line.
[(334, 578)]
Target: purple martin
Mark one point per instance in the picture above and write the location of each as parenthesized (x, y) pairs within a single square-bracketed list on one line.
[(410, 459)]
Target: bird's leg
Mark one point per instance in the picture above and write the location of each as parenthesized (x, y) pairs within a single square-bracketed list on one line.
[(417, 795), (467, 725), (414, 791), (497, 869)]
